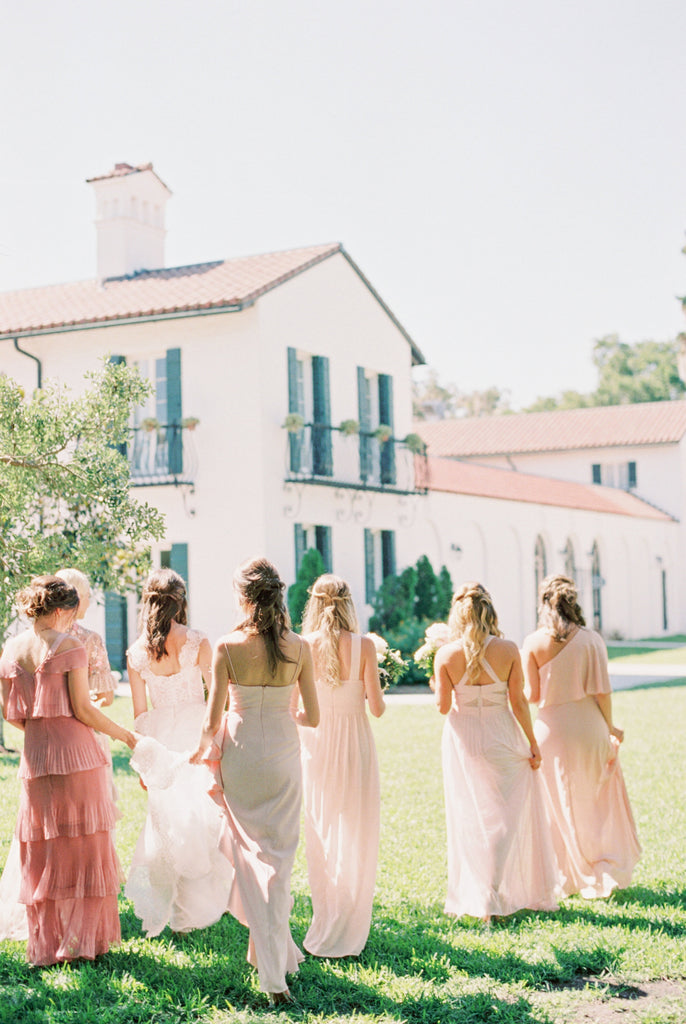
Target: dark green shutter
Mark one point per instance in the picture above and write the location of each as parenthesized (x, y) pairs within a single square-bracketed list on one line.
[(174, 412), (386, 416), (322, 455), (295, 440), (116, 630), (631, 475), (387, 553), (365, 418), (323, 542), (118, 361), (300, 545), (369, 567), (595, 471), (178, 560)]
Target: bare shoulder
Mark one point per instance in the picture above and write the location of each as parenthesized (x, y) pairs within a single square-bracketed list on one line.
[(447, 652), (537, 642)]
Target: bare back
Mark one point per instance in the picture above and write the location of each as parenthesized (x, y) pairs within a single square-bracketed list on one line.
[(499, 653), (247, 662)]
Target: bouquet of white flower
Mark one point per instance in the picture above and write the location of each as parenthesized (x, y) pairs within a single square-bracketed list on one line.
[(391, 664), (435, 636)]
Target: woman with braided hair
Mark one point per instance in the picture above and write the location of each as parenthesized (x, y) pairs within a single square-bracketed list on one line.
[(265, 669), (179, 876), (500, 857), (592, 825), (340, 774)]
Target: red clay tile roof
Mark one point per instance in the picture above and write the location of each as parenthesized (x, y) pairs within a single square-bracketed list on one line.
[(455, 477), (564, 430), (225, 284), (121, 170)]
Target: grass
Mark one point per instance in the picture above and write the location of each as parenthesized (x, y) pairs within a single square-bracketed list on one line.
[(622, 958), (640, 656)]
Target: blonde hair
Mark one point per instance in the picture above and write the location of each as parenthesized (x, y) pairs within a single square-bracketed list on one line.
[(558, 607), (164, 602), (261, 590), (473, 619), (78, 580), (329, 610)]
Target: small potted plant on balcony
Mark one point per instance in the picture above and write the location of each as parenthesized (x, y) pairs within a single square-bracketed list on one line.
[(349, 428), (293, 422), (415, 444), (150, 424), (383, 433), (190, 422)]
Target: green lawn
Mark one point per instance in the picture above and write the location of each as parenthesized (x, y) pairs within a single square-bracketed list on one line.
[(639, 655), (620, 959)]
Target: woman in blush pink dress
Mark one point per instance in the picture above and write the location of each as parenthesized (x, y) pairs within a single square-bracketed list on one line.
[(340, 774), (69, 869), (566, 668), (500, 858), (264, 668)]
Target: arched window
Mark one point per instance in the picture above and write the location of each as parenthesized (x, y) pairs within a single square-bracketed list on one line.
[(570, 561), (540, 563), (596, 587)]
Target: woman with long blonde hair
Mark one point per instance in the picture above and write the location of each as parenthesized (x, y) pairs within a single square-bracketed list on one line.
[(591, 822), (500, 858), (340, 774)]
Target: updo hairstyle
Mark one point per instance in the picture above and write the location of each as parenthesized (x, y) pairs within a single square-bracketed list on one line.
[(261, 593), (163, 602), (473, 619), (78, 580), (329, 610), (558, 607), (45, 595)]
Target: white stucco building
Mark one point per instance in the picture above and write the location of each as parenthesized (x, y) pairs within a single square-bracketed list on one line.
[(233, 348)]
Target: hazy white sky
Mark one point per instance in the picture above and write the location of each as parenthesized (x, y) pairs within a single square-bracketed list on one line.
[(510, 176)]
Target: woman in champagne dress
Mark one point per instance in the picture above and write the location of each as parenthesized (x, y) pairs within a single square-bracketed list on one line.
[(264, 668), (340, 774), (500, 858), (69, 868), (179, 875), (592, 825)]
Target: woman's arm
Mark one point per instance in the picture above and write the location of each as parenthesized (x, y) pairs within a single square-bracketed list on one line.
[(216, 702), (86, 712), (443, 685), (520, 706), (205, 662), (308, 691), (138, 695), (370, 675), (5, 698), (530, 666), (604, 702)]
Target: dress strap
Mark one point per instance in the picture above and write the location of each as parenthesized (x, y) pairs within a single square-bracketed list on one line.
[(233, 671), (55, 644), (490, 671), (355, 655)]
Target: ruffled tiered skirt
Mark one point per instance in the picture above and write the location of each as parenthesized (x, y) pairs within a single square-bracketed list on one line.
[(69, 868)]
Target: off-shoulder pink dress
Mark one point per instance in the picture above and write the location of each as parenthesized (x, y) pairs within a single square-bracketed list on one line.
[(342, 799), (500, 857), (69, 868), (592, 825)]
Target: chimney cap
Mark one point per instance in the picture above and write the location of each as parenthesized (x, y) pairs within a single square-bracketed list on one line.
[(122, 169)]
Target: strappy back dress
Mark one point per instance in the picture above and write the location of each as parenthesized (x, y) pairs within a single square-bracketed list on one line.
[(500, 856)]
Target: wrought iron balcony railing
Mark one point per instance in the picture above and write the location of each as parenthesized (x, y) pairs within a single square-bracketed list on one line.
[(164, 454), (327, 455)]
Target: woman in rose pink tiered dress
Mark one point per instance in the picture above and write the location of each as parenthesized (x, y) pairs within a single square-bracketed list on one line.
[(592, 825), (264, 668), (69, 868), (340, 774), (500, 857)]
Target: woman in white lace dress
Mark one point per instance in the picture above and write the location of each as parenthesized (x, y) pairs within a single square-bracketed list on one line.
[(178, 875)]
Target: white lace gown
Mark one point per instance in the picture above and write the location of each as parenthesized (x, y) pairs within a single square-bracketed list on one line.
[(179, 875)]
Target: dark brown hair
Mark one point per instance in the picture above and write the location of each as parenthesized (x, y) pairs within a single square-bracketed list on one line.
[(46, 594), (261, 590), (164, 601), (558, 608)]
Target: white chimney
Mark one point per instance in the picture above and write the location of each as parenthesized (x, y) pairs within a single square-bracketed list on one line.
[(130, 207)]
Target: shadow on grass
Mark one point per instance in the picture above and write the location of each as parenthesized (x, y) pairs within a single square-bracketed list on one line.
[(616, 912)]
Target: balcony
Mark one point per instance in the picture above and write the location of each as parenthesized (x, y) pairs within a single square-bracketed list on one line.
[(327, 456), (162, 455)]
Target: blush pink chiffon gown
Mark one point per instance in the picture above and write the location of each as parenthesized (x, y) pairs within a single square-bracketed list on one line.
[(69, 868), (500, 856), (592, 825), (342, 800)]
